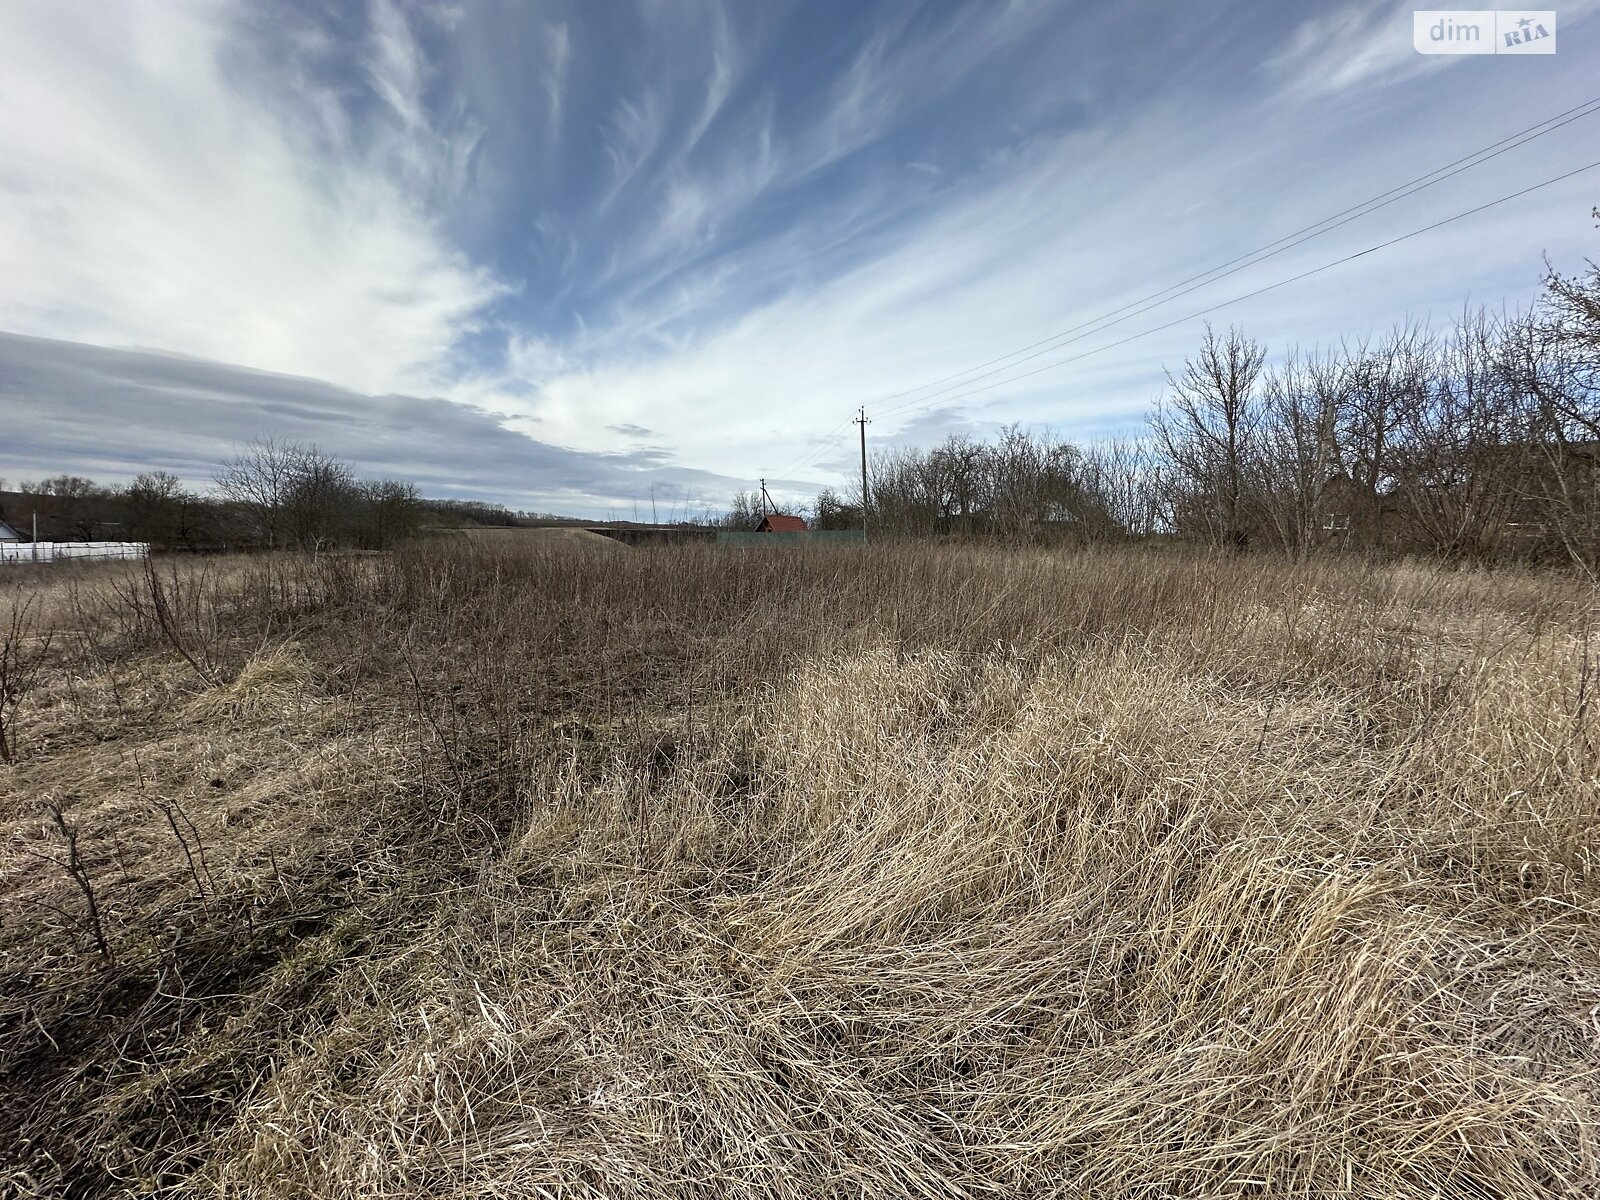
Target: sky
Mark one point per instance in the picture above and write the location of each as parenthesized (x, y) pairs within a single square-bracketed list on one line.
[(576, 257)]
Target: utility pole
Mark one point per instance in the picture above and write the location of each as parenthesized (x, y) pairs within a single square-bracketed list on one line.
[(863, 422), (653, 519)]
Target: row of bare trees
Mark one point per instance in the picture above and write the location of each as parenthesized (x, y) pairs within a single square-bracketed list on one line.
[(273, 493), (297, 495), (1021, 485), (155, 507), (1480, 440)]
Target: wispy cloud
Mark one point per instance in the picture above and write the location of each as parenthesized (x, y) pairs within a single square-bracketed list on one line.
[(702, 233), (395, 65), (998, 264), (157, 198), (633, 133), (1350, 45), (558, 41)]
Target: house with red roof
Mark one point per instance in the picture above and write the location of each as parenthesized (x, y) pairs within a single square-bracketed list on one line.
[(781, 523)]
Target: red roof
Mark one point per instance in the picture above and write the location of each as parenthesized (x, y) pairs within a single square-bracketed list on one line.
[(779, 523)]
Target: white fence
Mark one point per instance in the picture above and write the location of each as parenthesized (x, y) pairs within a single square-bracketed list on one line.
[(39, 552)]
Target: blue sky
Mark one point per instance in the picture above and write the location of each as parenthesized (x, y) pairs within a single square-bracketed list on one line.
[(560, 255)]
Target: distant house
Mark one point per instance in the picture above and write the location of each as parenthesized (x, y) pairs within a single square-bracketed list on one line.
[(779, 523), (8, 534), (1351, 513)]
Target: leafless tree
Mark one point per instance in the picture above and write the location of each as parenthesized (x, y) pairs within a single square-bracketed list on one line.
[(1572, 311), (957, 475), (1459, 452), (321, 498), (390, 511), (1302, 399), (744, 513), (832, 511), (1387, 381), (259, 480), (1207, 429), (1120, 476), (296, 494), (1024, 485), (907, 493), (71, 502), (1553, 358)]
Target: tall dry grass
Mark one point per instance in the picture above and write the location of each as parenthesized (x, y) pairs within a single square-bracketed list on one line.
[(516, 870)]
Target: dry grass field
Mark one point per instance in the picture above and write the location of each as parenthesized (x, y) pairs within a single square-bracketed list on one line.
[(501, 869)]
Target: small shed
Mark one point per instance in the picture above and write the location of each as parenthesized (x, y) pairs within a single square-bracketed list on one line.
[(781, 523), (8, 534)]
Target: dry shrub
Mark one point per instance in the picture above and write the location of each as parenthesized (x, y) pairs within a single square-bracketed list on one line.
[(894, 871)]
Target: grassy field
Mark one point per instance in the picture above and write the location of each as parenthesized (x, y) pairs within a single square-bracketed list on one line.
[(507, 869)]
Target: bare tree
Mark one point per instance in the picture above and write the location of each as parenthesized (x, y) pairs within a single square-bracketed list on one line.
[(1572, 311), (908, 493), (259, 480), (1301, 403), (957, 477), (322, 494), (72, 502), (1119, 475), (1207, 429), (1027, 482), (297, 495), (1459, 452), (832, 511), (1387, 382), (1553, 359), (744, 513)]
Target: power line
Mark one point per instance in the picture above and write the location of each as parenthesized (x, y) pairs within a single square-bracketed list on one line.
[(1253, 258), (1156, 299), (1271, 286), (832, 437)]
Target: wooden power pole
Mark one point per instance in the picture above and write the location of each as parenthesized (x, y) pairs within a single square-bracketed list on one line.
[(863, 422)]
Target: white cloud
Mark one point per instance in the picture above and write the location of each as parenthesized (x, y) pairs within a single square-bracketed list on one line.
[(396, 67), (1054, 235), (1354, 44), (558, 41), (156, 197), (742, 285)]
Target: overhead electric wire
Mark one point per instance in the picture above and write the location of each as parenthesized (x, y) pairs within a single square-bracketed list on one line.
[(1232, 266), (831, 438), (1271, 286), (1254, 258)]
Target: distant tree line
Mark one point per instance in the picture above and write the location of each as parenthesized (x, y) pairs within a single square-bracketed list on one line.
[(1022, 485), (473, 512), (1478, 441), (271, 494)]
